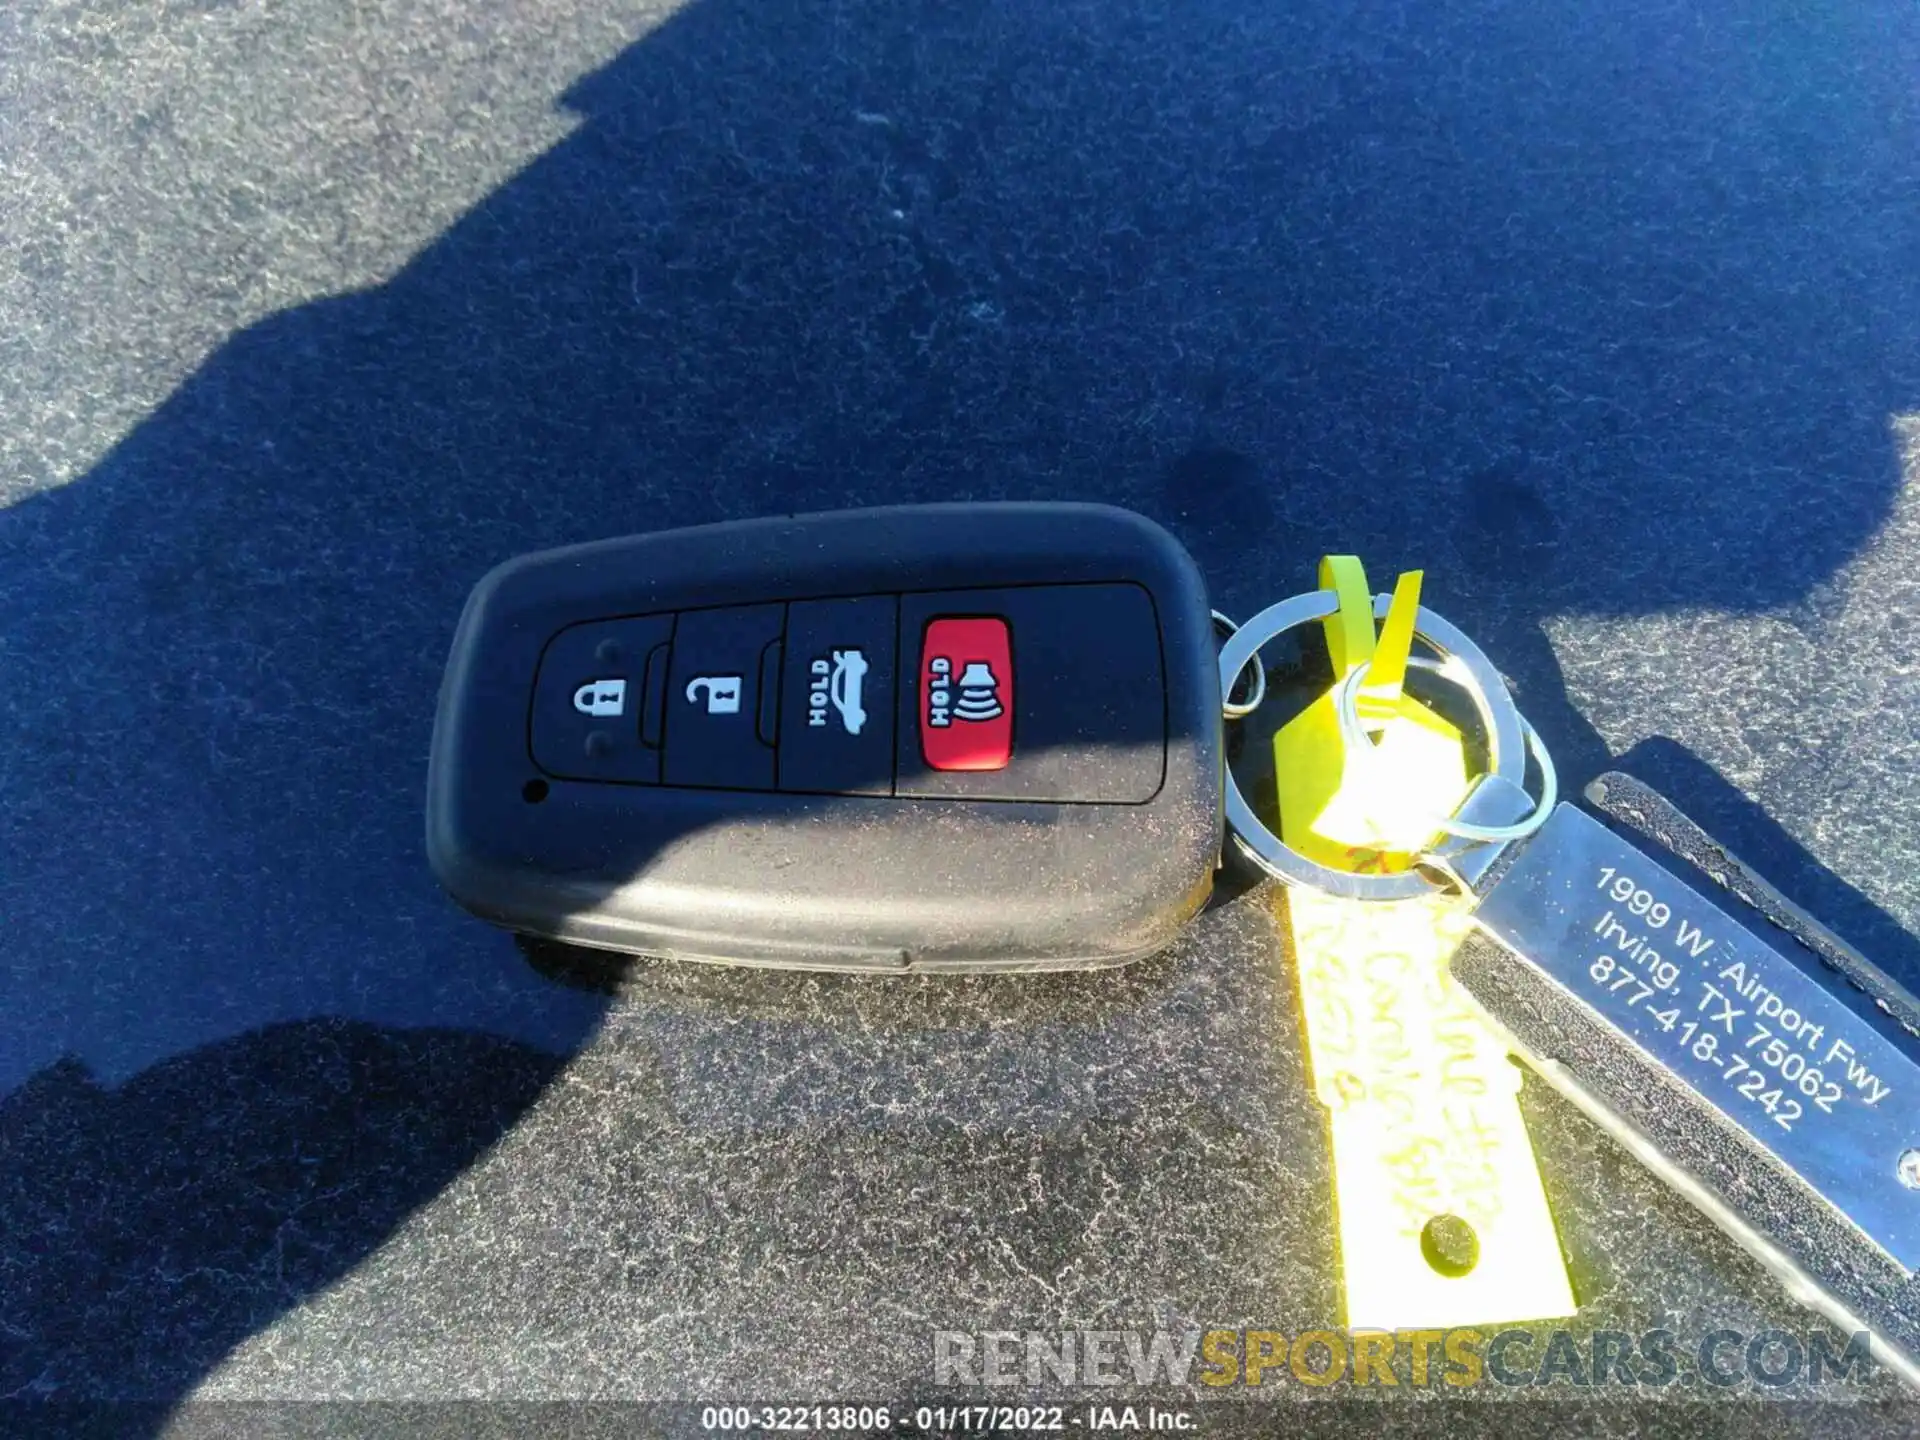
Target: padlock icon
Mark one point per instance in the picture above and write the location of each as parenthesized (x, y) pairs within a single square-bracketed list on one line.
[(721, 693), (601, 697)]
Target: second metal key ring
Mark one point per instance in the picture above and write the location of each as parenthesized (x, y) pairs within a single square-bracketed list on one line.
[(1506, 745)]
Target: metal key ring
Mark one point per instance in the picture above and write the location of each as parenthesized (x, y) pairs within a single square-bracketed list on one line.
[(1224, 626), (1506, 746)]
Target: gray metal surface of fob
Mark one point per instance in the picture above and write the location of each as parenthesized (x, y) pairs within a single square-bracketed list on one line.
[(946, 737), (1742, 1051)]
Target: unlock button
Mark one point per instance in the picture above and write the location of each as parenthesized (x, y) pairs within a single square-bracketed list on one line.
[(721, 695)]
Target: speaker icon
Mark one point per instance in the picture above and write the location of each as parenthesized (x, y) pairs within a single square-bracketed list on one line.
[(979, 693)]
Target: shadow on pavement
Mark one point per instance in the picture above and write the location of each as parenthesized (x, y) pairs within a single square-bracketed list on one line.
[(1568, 303)]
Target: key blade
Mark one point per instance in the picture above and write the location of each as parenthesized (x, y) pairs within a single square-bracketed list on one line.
[(1705, 1034)]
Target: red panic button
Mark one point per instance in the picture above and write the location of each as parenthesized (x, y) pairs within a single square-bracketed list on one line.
[(966, 694)]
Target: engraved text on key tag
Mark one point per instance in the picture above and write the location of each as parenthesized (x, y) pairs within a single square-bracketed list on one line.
[(1674, 1021), (1785, 1059)]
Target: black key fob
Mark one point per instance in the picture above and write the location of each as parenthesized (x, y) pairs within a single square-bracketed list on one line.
[(946, 737)]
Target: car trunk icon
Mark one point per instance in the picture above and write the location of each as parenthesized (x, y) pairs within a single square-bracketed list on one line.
[(849, 675)]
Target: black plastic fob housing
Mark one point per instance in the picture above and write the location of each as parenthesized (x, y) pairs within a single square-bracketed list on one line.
[(961, 737)]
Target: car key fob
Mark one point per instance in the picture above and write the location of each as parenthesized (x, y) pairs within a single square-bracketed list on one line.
[(961, 737)]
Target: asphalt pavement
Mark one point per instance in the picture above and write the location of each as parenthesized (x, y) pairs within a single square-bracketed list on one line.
[(1608, 316)]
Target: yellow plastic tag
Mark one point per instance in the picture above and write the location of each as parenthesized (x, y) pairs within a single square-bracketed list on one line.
[(1420, 1096)]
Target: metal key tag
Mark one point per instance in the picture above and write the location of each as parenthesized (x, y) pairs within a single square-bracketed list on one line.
[(1752, 1060), (1747, 1056)]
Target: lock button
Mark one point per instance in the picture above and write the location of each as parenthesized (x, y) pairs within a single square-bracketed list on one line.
[(722, 689), (597, 698)]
